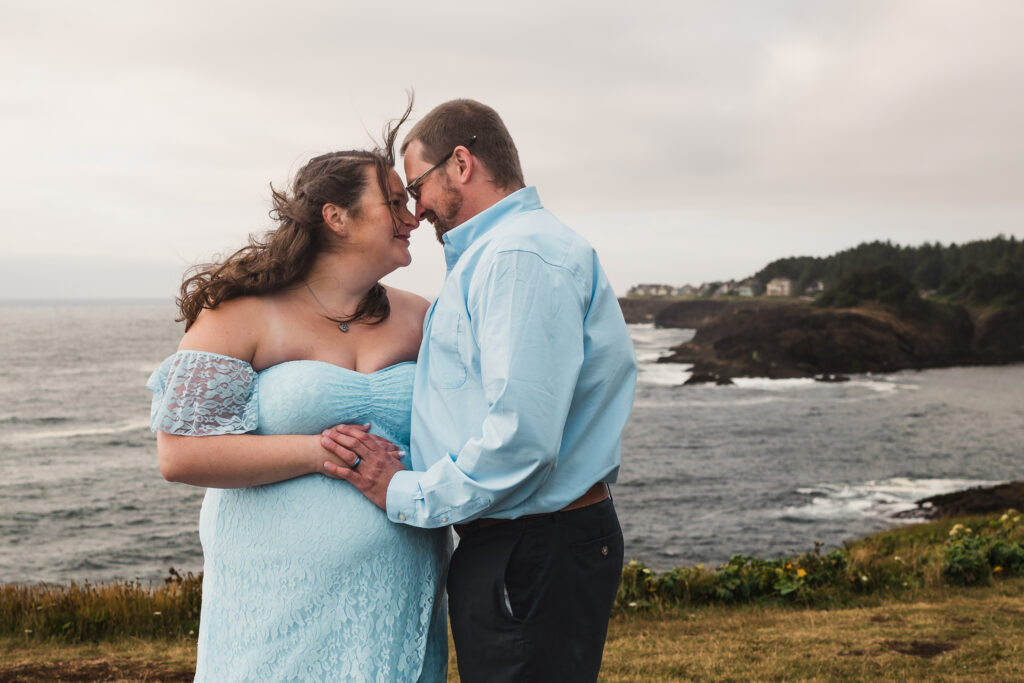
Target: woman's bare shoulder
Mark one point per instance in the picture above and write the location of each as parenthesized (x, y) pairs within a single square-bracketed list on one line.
[(407, 303), (233, 328)]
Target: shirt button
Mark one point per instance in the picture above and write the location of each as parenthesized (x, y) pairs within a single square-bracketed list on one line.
[(604, 550), (401, 516), (444, 520)]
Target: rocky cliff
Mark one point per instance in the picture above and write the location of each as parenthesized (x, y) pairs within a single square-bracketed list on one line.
[(976, 501), (779, 340)]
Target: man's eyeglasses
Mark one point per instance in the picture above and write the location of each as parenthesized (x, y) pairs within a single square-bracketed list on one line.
[(413, 188)]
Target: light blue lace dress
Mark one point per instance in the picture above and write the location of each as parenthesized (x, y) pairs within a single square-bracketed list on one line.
[(306, 579)]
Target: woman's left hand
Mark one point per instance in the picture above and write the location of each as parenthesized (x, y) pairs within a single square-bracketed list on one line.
[(372, 461)]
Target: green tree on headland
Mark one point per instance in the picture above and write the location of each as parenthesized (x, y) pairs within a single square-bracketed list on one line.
[(882, 286), (981, 273)]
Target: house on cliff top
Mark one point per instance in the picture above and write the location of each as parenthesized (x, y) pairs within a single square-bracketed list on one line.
[(779, 286), (651, 290)]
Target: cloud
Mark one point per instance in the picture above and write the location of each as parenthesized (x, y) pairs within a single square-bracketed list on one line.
[(150, 131)]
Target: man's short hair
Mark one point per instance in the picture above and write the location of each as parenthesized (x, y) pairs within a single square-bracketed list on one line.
[(454, 123)]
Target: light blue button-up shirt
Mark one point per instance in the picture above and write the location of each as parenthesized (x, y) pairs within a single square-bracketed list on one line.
[(525, 377)]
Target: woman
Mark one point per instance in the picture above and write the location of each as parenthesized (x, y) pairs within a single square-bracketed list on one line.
[(303, 577)]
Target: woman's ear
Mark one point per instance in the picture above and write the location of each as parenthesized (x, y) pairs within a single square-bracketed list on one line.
[(335, 218)]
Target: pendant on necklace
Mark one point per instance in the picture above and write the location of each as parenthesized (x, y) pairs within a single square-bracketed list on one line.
[(343, 327)]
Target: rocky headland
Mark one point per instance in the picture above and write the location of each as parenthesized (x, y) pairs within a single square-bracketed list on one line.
[(976, 501), (765, 338)]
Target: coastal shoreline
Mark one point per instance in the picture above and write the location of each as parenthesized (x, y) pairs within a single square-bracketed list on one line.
[(784, 339), (913, 603), (980, 500)]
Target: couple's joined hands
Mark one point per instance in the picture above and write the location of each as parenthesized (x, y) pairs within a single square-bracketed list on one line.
[(369, 461)]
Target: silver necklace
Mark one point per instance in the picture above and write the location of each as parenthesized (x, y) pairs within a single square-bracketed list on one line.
[(341, 326)]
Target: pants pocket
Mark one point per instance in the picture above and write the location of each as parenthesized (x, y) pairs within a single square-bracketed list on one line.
[(526, 573)]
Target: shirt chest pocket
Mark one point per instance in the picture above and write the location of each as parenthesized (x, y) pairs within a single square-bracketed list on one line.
[(447, 346)]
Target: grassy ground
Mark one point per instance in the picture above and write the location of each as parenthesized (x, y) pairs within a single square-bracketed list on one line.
[(975, 636), (970, 634), (938, 601)]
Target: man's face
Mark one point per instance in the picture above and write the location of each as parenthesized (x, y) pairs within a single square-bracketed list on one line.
[(440, 199)]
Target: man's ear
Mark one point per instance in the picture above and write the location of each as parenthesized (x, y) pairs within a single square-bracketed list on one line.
[(336, 218), (465, 165)]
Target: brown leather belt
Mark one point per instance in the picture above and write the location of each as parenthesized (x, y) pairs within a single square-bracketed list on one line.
[(595, 494)]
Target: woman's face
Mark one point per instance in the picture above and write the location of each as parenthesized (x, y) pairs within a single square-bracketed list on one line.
[(381, 230)]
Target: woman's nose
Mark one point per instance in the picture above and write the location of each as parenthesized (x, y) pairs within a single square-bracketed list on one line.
[(411, 219)]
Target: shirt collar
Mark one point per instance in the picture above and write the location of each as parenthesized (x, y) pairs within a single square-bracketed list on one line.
[(458, 239)]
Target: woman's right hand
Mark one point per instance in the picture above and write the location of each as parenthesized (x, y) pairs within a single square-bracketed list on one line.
[(357, 436)]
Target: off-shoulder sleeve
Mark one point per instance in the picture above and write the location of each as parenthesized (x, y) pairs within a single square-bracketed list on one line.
[(197, 393)]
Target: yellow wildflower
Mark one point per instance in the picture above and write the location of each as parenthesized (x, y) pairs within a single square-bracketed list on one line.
[(801, 573), (789, 565), (997, 569)]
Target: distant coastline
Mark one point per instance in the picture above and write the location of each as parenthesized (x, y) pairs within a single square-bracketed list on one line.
[(787, 338)]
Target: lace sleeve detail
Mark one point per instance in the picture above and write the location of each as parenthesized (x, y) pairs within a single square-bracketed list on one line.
[(197, 393)]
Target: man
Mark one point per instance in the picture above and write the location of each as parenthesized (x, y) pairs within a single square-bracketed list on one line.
[(524, 382)]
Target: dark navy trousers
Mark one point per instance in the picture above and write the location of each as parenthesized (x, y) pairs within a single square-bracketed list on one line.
[(530, 598)]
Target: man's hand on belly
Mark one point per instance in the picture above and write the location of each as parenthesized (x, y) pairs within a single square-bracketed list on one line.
[(372, 461)]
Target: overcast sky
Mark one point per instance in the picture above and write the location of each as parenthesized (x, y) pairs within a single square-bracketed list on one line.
[(687, 140)]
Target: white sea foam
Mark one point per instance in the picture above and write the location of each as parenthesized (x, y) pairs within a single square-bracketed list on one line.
[(663, 374), (651, 343), (767, 384), (880, 385), (882, 498)]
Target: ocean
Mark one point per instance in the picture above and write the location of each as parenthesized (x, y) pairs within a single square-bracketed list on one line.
[(766, 467)]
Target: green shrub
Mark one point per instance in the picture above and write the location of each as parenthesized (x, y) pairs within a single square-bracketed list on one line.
[(1007, 556), (967, 560), (942, 552)]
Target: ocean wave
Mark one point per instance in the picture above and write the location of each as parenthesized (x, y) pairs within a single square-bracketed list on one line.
[(767, 384), (15, 420), (36, 435), (651, 343), (883, 498), (663, 374)]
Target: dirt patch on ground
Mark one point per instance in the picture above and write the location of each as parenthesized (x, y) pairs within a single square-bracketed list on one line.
[(95, 670), (886, 619), (920, 648)]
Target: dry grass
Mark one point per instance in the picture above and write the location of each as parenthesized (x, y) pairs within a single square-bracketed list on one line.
[(129, 659), (974, 636), (967, 635), (885, 608)]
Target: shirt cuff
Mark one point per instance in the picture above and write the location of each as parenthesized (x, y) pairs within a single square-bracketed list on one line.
[(403, 491)]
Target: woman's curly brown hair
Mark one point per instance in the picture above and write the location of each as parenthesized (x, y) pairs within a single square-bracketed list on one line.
[(284, 256)]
